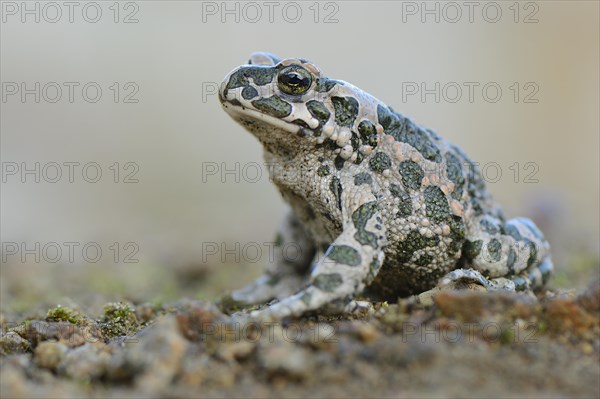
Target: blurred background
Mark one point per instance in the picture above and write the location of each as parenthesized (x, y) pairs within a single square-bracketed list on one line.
[(122, 178)]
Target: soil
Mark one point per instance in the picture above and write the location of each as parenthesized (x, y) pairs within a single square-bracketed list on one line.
[(458, 344)]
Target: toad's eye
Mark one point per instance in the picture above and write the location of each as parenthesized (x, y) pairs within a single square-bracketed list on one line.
[(294, 80)]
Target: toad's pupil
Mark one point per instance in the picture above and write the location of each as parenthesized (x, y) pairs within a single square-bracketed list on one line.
[(294, 79)]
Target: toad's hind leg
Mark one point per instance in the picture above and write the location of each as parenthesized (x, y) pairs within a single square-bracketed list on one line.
[(287, 270), (515, 251), (534, 277)]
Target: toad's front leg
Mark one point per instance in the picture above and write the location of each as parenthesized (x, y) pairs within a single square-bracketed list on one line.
[(285, 274), (349, 264)]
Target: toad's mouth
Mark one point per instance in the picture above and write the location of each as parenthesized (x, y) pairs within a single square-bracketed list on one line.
[(254, 119), (259, 123)]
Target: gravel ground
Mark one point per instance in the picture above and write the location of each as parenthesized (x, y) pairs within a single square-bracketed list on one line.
[(462, 343)]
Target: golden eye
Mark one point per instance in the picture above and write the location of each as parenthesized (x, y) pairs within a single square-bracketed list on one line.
[(294, 80)]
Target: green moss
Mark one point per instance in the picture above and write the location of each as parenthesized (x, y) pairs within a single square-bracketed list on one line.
[(228, 305), (64, 314), (119, 319), (16, 345), (507, 336)]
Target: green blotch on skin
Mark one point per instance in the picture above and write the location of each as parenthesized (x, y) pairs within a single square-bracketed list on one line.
[(329, 145), (475, 185), (513, 232), (476, 206), (324, 84), (354, 141), (424, 260), (261, 75), (388, 119), (546, 269), (380, 162), (305, 298), (249, 92), (412, 174), (418, 138), (346, 110), (374, 267), (344, 254), (489, 227), (511, 259), (119, 319), (533, 250), (336, 188), (521, 283), (273, 281), (472, 248), (328, 282), (533, 228), (323, 171), (318, 110), (360, 218), (457, 233), (362, 178), (63, 314), (436, 204), (274, 106), (300, 122), (368, 133), (405, 208), (359, 158), (455, 174), (384, 116), (494, 248), (413, 242), (278, 240)]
